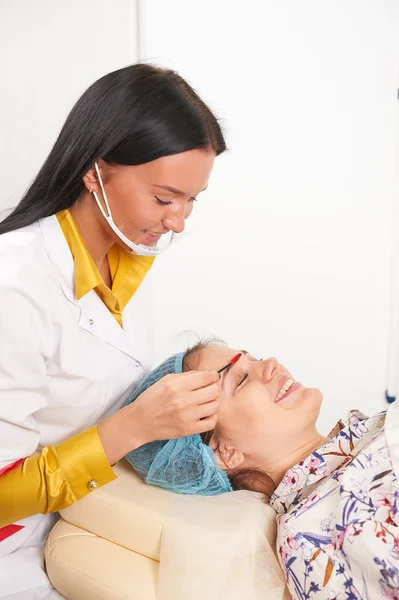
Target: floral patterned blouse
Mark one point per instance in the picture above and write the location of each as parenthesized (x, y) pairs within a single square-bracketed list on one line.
[(338, 521)]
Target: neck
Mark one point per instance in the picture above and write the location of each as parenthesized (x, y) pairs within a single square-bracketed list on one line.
[(93, 228), (278, 469)]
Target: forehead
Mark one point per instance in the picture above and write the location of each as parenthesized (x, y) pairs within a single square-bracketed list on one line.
[(187, 171), (214, 357)]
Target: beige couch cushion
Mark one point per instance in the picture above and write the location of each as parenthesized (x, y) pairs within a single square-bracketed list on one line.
[(83, 566), (107, 545), (126, 511)]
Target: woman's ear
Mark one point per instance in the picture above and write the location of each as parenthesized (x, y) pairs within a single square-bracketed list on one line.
[(227, 457), (90, 179)]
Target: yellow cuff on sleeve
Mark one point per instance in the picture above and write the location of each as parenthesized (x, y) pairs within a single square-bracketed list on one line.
[(84, 462), (55, 478)]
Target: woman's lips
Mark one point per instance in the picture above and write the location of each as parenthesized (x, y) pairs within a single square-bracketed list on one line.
[(150, 238), (296, 386), (286, 381)]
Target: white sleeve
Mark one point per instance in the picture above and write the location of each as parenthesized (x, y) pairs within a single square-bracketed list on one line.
[(26, 339)]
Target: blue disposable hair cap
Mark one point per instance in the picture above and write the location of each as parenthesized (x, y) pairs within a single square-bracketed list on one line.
[(183, 465)]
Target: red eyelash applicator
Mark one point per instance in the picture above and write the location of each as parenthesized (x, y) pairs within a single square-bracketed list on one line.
[(233, 361)]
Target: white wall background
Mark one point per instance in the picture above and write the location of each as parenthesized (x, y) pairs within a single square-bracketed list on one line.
[(292, 254), (50, 52)]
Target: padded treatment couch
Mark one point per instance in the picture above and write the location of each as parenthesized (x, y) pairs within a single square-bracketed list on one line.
[(107, 545)]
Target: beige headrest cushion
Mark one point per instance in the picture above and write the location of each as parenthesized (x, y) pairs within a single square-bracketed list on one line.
[(126, 511), (107, 545), (83, 566)]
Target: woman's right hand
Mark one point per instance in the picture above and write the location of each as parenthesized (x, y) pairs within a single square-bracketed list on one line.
[(175, 406)]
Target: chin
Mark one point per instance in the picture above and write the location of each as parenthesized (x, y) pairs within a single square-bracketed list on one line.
[(313, 398)]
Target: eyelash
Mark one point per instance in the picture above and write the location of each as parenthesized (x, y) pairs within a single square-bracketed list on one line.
[(162, 203), (242, 381), (244, 378)]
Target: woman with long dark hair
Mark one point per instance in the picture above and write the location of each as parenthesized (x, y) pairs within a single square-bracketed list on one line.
[(136, 150)]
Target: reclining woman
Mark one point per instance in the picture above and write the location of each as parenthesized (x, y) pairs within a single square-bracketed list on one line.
[(336, 497)]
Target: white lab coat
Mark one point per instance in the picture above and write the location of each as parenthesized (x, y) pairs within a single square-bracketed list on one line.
[(64, 365)]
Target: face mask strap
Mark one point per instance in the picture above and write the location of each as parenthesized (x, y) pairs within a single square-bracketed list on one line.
[(102, 190)]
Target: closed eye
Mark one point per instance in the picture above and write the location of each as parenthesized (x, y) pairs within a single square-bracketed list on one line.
[(161, 202), (242, 381), (244, 378), (167, 203)]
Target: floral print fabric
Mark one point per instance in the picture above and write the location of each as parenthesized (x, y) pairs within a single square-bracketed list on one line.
[(338, 521)]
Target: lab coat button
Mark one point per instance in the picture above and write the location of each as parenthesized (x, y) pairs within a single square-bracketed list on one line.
[(137, 363), (92, 485), (91, 321)]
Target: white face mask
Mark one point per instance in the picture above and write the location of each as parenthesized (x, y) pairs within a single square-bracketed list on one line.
[(138, 249)]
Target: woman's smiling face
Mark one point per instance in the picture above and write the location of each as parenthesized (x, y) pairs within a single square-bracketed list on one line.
[(265, 414)]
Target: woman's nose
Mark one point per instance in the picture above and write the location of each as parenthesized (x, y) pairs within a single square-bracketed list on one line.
[(175, 221), (270, 367)]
